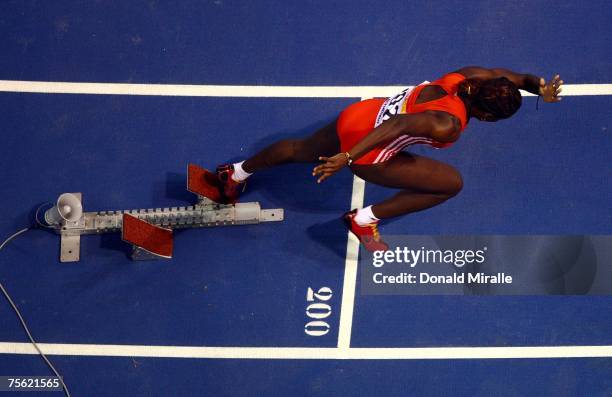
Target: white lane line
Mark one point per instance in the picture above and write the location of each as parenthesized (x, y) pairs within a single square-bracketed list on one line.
[(58, 87), (350, 272), (309, 353), (51, 87)]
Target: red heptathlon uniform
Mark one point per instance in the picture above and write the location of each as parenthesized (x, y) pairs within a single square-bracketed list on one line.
[(359, 119)]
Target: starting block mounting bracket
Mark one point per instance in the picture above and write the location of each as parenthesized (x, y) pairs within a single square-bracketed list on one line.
[(70, 248), (70, 242)]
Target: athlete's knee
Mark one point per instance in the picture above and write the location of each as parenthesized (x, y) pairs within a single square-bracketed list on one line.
[(454, 184)]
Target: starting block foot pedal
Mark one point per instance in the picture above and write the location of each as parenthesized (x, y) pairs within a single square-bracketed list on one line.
[(150, 241), (204, 183)]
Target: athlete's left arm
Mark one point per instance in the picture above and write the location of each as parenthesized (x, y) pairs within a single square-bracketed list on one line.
[(536, 85)]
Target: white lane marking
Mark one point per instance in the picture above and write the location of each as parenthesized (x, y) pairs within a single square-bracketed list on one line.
[(51, 87), (350, 272), (58, 87), (314, 353)]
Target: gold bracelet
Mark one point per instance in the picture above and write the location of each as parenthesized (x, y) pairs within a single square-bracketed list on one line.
[(349, 159)]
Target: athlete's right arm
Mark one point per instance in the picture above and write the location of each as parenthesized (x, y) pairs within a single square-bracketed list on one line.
[(430, 124)]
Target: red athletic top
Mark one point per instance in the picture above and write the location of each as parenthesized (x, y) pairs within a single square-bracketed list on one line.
[(450, 103), (359, 119)]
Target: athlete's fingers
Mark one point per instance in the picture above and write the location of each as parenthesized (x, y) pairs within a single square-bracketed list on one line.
[(322, 158), (317, 170), (332, 162), (325, 168), (553, 80), (331, 170), (328, 163), (320, 171), (325, 163), (324, 177)]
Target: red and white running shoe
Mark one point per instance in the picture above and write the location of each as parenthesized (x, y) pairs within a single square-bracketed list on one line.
[(368, 234), (229, 187)]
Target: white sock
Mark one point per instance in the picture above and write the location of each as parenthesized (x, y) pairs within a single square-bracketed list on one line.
[(365, 216), (239, 173)]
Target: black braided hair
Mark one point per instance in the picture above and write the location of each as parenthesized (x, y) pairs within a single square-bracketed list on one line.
[(500, 97)]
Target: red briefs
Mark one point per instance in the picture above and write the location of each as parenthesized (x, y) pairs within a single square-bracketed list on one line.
[(359, 119), (355, 122)]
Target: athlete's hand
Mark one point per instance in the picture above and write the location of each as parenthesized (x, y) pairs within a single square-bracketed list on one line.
[(330, 166), (550, 92)]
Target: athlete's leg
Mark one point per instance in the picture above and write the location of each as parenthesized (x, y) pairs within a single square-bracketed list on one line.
[(354, 122), (424, 182), (323, 142)]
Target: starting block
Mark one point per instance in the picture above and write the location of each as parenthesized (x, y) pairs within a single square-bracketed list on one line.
[(150, 230), (149, 241), (203, 183)]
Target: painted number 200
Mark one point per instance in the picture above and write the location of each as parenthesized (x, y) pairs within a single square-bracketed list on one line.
[(318, 311)]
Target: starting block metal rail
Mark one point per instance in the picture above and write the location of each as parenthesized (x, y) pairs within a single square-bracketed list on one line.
[(205, 213)]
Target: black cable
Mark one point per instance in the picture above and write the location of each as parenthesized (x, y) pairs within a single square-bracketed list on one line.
[(23, 323), (38, 222)]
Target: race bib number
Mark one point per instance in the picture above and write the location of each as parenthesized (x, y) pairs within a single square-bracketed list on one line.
[(393, 106)]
